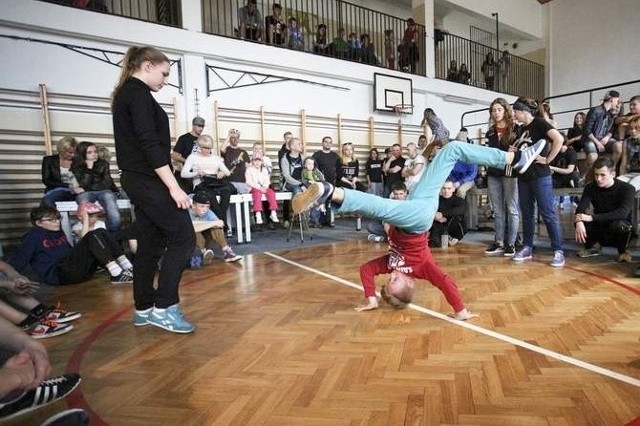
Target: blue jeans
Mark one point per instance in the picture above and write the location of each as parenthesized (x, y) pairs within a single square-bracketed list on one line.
[(539, 190), (107, 200), (415, 215), (503, 192), (57, 194)]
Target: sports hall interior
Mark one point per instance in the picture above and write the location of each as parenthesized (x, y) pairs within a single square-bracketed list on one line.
[(278, 340)]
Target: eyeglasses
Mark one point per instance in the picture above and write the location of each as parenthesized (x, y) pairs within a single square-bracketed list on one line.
[(50, 219)]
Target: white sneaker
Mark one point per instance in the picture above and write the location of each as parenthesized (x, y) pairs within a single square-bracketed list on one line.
[(259, 218), (207, 256), (274, 216)]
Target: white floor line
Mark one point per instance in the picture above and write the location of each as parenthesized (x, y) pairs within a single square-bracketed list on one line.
[(546, 352)]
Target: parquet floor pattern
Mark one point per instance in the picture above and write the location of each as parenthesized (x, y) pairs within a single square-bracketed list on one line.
[(280, 345)]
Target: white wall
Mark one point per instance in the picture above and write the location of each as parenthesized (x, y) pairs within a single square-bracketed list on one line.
[(593, 43)]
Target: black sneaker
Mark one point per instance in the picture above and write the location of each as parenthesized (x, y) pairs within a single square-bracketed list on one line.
[(125, 277), (48, 391), (71, 417), (494, 248), (509, 251)]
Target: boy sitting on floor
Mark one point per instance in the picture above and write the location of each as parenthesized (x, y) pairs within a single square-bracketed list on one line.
[(209, 229), (46, 250)]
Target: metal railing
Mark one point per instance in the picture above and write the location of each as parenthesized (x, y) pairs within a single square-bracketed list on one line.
[(516, 76), (164, 12), (563, 107), (221, 17)]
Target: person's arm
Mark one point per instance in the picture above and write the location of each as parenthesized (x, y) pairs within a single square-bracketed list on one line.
[(623, 206), (556, 144), (624, 158), (457, 207), (590, 127), (16, 283), (16, 340), (223, 170), (417, 168), (176, 155), (179, 196), (187, 171), (50, 179), (84, 220), (563, 170), (368, 272), (286, 173)]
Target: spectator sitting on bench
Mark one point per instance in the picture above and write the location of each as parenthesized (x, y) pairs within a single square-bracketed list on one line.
[(46, 250), (59, 181), (258, 180), (94, 176), (209, 229), (209, 174), (449, 219), (610, 222), (564, 171)]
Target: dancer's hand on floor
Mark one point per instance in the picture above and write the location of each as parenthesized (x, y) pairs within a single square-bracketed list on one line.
[(373, 304)]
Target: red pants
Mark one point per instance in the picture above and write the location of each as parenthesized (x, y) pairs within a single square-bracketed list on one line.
[(256, 196), (427, 269)]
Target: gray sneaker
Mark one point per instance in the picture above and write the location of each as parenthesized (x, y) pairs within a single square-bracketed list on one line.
[(528, 156)]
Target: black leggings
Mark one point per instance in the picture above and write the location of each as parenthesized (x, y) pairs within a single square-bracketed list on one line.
[(98, 247)]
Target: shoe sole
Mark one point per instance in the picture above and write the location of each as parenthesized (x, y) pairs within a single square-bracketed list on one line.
[(508, 254), (557, 266), (207, 258), (164, 327), (233, 259), (528, 164), (53, 333), (493, 253), (303, 201), (68, 318), (522, 259), (589, 255), (73, 416)]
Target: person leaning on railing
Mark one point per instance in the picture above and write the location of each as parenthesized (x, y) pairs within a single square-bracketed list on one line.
[(250, 22)]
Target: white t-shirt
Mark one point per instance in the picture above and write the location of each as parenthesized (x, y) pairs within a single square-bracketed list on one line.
[(197, 162), (410, 164)]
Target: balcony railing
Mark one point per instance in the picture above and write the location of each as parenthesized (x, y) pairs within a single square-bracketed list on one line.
[(221, 17), (515, 75), (164, 12)]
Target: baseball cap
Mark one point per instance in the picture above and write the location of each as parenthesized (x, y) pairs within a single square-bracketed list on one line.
[(201, 198), (198, 121), (89, 207)]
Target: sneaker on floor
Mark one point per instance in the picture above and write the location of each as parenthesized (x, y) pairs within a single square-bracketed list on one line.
[(274, 216), (303, 201), (230, 256), (207, 257), (375, 238), (625, 257), (509, 251), (589, 252), (558, 259), (125, 277), (525, 253), (529, 155), (60, 315), (494, 248), (71, 417), (259, 220), (453, 241), (45, 328), (170, 319), (140, 317), (50, 390)]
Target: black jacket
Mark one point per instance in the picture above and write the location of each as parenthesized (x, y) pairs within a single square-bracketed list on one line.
[(97, 178), (51, 173), (141, 129)]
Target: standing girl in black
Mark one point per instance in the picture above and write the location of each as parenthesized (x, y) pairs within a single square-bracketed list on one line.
[(141, 131)]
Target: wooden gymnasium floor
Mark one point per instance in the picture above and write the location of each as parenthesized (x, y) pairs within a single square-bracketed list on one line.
[(278, 343)]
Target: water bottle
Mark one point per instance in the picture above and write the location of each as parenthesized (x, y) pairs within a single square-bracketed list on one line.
[(444, 241)]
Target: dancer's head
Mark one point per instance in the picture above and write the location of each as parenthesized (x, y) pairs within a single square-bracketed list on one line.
[(399, 290), (147, 64)]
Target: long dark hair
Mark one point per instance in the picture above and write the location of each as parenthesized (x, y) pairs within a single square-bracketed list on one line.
[(81, 154), (133, 60), (507, 136)]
